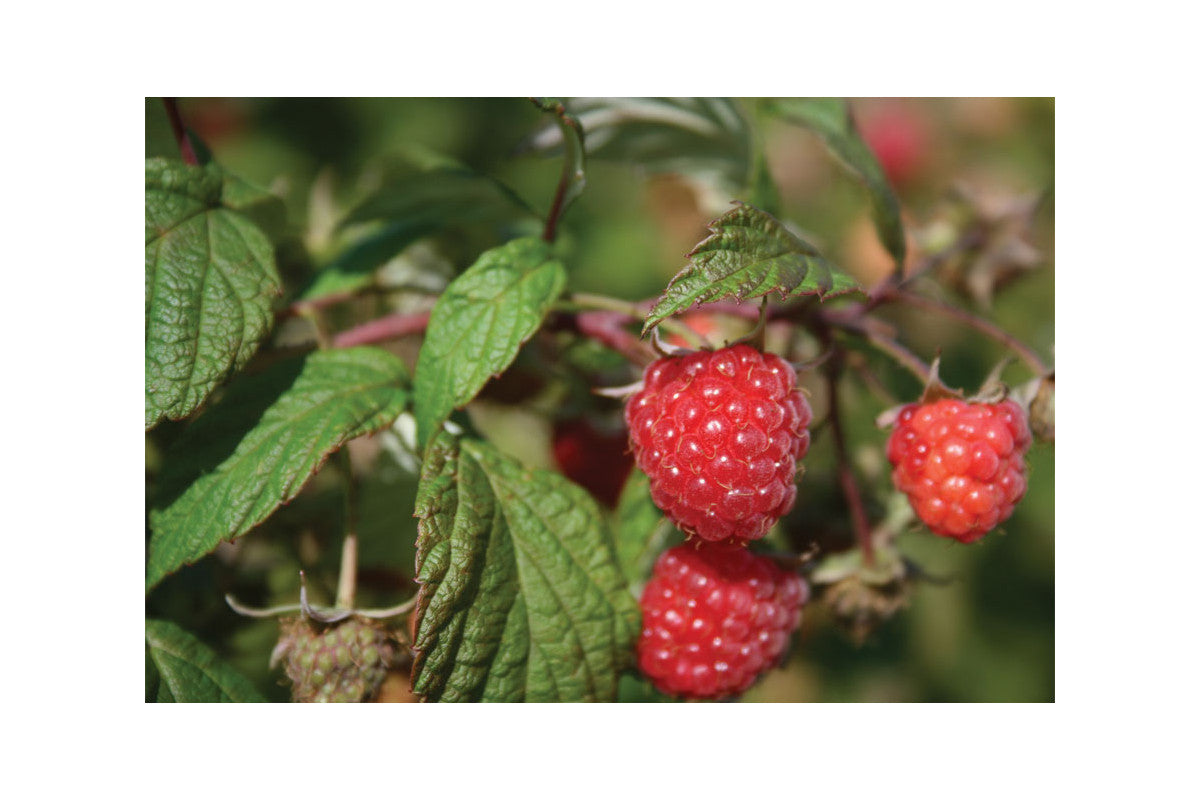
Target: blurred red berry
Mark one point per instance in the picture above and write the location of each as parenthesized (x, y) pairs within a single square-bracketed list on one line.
[(599, 462), (900, 140), (702, 323)]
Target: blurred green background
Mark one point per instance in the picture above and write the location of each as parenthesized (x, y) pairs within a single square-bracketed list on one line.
[(987, 635)]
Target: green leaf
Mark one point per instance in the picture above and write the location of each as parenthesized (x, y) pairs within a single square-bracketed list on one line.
[(749, 254), (182, 669), (829, 118), (637, 689), (354, 268), (574, 177), (478, 325), (256, 448), (439, 196), (642, 533), (704, 137), (265, 209), (521, 597), (210, 280)]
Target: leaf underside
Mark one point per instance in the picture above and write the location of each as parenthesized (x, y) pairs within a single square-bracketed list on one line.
[(749, 254), (243, 458), (182, 669), (521, 596), (478, 325), (210, 282)]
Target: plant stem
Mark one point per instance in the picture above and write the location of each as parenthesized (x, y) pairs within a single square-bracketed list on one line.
[(348, 576), (383, 329), (985, 327), (608, 328), (635, 311), (870, 330), (556, 207), (858, 512), (181, 136)]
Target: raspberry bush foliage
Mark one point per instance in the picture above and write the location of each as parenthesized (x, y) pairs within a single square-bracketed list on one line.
[(598, 399)]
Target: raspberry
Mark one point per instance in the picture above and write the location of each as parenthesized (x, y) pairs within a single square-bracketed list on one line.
[(702, 323), (344, 662), (719, 434), (900, 140), (598, 461), (714, 618), (961, 464)]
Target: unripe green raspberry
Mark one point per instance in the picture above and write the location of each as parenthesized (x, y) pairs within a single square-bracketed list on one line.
[(341, 662)]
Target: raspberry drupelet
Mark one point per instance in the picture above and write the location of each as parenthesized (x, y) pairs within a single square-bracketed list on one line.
[(719, 434), (714, 618), (961, 464)]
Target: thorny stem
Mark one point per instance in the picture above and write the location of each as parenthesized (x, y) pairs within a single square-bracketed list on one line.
[(858, 512), (181, 136), (985, 327)]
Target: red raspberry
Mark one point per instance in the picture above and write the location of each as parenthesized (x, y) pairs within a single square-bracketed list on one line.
[(714, 618), (719, 433), (961, 464), (702, 323), (900, 140), (598, 461)]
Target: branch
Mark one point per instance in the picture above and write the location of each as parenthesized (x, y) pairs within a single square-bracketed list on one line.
[(381, 330), (873, 331), (186, 151), (607, 327), (858, 512), (985, 327)]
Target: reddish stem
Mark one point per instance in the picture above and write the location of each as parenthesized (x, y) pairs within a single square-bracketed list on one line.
[(985, 327), (608, 328), (873, 331), (383, 329), (556, 207), (858, 511), (181, 135)]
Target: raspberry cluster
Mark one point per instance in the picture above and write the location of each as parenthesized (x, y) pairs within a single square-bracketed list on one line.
[(345, 662), (714, 618), (719, 434), (961, 464)]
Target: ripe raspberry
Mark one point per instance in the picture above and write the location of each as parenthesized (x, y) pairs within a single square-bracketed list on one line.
[(719, 434), (961, 464), (343, 662), (900, 140), (598, 461), (714, 618), (702, 323)]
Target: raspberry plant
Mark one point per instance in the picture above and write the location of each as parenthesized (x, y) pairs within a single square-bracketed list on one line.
[(426, 347)]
